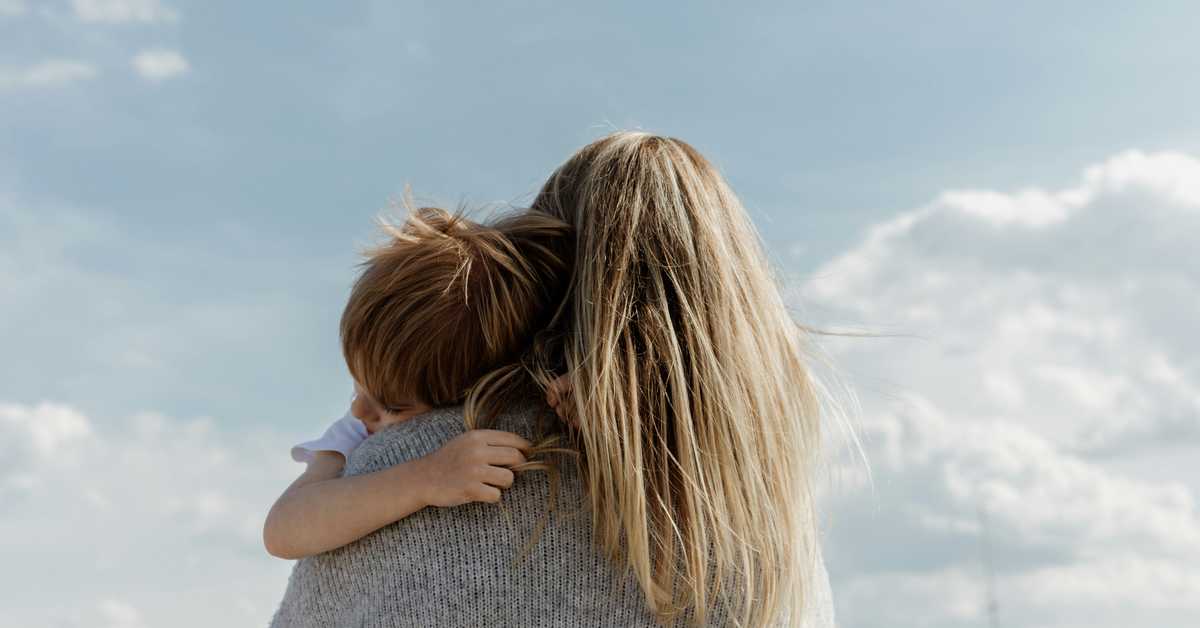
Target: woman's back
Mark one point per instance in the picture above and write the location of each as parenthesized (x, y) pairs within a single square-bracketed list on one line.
[(457, 566)]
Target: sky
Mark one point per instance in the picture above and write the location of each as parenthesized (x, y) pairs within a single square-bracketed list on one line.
[(1003, 194)]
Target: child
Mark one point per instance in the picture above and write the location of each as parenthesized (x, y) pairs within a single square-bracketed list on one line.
[(443, 303)]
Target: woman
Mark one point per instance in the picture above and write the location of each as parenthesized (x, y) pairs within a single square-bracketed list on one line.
[(696, 421)]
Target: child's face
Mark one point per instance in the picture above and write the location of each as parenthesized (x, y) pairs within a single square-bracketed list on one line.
[(376, 417)]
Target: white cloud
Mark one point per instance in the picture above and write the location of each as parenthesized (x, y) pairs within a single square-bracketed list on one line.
[(120, 615), (46, 428), (47, 74), (1047, 351), (1072, 311), (1059, 528), (12, 8), (952, 597), (1033, 493), (1116, 589), (158, 65), (48, 432), (123, 11), (147, 520)]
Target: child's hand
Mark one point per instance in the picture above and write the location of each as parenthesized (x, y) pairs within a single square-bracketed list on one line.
[(558, 395), (471, 467)]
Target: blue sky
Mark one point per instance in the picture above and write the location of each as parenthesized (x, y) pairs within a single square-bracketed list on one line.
[(288, 132), (183, 187)]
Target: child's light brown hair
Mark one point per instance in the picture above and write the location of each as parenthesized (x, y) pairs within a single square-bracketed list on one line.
[(446, 300)]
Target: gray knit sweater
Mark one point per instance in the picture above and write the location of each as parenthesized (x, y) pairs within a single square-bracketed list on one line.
[(455, 566)]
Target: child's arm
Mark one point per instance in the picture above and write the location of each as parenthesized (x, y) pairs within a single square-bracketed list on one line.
[(321, 511)]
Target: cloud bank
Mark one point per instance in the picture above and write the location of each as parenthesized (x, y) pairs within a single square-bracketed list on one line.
[(47, 74), (147, 520), (123, 11), (1052, 353), (159, 65)]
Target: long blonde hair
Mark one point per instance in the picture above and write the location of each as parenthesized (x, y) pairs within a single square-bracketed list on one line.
[(697, 415)]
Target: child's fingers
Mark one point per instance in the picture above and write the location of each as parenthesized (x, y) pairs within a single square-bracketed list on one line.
[(486, 493), (499, 477), (505, 456), (557, 396), (500, 438), (564, 412)]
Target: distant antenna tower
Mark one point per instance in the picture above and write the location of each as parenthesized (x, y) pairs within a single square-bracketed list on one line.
[(989, 574)]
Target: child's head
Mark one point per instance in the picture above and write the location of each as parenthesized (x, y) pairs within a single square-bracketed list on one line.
[(446, 300)]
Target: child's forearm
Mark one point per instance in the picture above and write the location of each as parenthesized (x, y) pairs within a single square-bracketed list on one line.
[(326, 514)]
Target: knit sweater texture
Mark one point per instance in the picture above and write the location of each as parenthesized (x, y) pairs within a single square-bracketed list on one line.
[(458, 566)]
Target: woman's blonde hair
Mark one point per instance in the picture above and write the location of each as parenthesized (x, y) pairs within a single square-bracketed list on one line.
[(697, 414)]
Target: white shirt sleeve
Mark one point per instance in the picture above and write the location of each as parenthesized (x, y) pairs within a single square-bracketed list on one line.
[(343, 436)]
